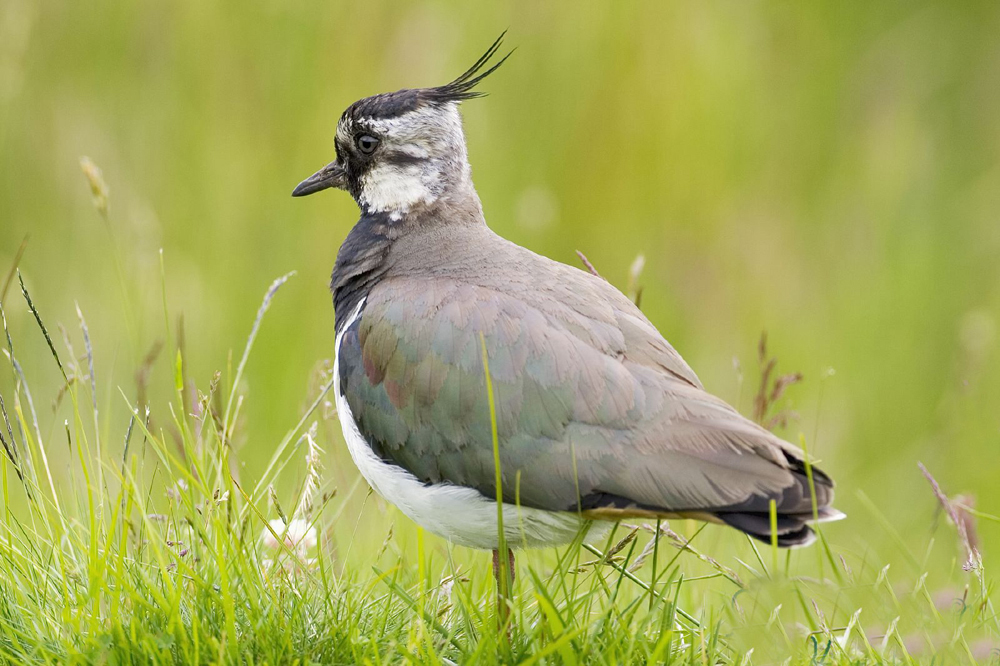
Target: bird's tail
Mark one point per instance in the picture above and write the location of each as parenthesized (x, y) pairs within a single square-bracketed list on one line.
[(792, 528)]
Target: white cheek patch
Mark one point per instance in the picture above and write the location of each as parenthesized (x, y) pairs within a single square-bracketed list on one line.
[(394, 189), (433, 135)]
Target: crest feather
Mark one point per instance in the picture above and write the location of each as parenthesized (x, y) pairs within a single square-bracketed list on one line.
[(462, 88), (389, 105)]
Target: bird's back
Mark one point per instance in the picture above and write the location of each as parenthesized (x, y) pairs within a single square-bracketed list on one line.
[(596, 412)]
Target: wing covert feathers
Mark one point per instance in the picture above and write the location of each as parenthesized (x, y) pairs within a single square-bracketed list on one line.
[(595, 410)]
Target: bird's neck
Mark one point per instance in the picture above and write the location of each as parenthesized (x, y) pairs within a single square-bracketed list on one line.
[(381, 240), (400, 189), (361, 262)]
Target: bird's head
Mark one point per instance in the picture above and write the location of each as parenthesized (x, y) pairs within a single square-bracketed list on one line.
[(402, 150)]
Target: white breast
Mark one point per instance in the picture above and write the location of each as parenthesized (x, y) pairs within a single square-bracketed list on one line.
[(462, 515)]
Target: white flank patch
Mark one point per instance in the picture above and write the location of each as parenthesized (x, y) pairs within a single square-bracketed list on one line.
[(459, 514)]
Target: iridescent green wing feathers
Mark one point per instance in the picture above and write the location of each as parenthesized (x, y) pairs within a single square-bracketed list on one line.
[(605, 422)]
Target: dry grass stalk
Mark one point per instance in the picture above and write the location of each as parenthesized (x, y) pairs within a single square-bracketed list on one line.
[(89, 349), (680, 543), (770, 392), (277, 506), (74, 374), (962, 519), (41, 325), (98, 188), (586, 264), (10, 448), (143, 373), (229, 418), (314, 467), (611, 557), (207, 407), (13, 268), (634, 289)]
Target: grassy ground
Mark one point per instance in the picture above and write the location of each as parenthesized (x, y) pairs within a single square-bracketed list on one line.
[(161, 552)]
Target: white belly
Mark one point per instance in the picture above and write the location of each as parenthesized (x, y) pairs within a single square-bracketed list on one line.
[(459, 514)]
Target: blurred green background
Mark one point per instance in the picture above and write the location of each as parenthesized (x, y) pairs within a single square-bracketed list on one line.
[(829, 172)]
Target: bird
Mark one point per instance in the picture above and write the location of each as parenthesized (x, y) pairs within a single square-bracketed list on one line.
[(597, 417)]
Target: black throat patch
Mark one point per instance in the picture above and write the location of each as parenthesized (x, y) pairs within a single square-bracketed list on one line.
[(361, 263)]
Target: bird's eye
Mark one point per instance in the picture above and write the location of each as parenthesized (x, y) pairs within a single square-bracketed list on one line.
[(366, 143)]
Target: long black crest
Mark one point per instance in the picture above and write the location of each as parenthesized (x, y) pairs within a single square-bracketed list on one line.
[(388, 105), (462, 88)]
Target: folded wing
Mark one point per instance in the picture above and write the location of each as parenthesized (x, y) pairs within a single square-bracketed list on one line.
[(595, 411)]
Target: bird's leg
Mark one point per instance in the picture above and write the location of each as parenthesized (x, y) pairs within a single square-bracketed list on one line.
[(503, 586), (510, 567), (501, 596)]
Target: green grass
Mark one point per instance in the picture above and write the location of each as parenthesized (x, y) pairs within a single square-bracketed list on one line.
[(164, 553)]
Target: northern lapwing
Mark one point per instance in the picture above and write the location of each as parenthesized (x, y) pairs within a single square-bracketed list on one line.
[(598, 417)]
